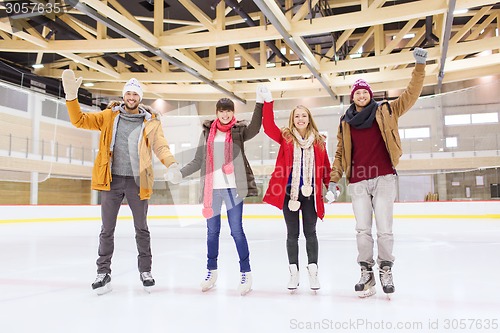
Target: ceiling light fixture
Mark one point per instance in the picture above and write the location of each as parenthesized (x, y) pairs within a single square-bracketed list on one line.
[(460, 11)]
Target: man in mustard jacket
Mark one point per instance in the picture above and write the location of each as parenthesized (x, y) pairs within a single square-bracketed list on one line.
[(123, 168), (368, 151)]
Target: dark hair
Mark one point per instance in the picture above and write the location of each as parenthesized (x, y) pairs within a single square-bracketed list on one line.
[(224, 104)]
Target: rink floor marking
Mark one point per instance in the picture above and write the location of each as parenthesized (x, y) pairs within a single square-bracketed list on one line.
[(253, 217)]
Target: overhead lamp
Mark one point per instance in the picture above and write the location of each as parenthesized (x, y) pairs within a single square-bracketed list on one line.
[(460, 11), (407, 36), (37, 66), (88, 84)]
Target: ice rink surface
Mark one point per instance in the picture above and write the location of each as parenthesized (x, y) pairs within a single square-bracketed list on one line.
[(446, 276)]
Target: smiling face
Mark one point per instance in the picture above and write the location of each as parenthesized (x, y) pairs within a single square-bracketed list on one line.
[(132, 100), (225, 116), (300, 120), (361, 98)]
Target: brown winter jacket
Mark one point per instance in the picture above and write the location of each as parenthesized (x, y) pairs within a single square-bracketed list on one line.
[(106, 121), (387, 119), (241, 132)]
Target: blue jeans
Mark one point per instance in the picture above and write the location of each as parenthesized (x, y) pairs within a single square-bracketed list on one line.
[(234, 206)]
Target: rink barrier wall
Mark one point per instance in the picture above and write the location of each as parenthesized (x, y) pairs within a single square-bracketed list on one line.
[(414, 210)]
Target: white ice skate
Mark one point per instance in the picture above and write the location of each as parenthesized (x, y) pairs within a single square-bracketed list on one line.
[(313, 277), (294, 278), (245, 283), (366, 285), (102, 284), (147, 281), (209, 281)]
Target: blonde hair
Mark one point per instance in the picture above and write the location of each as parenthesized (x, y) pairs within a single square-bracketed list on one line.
[(311, 127)]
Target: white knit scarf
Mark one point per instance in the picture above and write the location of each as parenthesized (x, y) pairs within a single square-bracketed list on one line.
[(304, 161)]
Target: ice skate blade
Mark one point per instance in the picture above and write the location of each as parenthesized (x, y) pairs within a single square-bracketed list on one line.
[(148, 289), (292, 287), (245, 292), (207, 288), (366, 293), (104, 289), (389, 296)]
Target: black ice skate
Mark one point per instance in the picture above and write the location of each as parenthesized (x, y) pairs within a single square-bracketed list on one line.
[(385, 273), (102, 284), (366, 285), (147, 281)]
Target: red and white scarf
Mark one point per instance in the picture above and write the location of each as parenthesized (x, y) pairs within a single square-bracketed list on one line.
[(227, 167), (302, 160)]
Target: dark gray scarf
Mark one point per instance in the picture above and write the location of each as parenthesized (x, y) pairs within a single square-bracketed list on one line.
[(363, 118)]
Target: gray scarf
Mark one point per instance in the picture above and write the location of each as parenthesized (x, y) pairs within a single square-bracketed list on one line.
[(363, 118)]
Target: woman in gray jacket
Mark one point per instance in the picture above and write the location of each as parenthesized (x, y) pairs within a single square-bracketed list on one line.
[(226, 177)]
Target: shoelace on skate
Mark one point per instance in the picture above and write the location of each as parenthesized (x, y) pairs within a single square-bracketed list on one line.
[(243, 278), (209, 275), (100, 277), (365, 276), (386, 278), (147, 276)]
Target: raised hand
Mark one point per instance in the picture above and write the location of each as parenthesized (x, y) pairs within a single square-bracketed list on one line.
[(70, 84), (263, 94), (420, 55)]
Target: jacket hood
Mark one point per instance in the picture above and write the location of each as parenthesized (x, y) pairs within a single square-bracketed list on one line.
[(149, 111)]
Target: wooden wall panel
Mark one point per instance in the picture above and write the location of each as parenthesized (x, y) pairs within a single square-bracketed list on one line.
[(14, 193), (58, 191), (54, 191)]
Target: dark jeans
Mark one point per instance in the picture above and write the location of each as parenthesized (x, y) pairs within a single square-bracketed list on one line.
[(234, 206), (123, 187), (309, 218)]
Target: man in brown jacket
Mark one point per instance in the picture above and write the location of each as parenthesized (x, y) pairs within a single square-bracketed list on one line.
[(123, 168), (368, 152)]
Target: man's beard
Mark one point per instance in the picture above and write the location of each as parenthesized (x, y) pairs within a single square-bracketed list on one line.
[(131, 105)]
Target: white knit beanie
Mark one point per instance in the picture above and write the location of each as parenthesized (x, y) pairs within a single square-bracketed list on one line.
[(133, 85)]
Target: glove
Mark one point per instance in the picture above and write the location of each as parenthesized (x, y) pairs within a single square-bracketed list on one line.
[(333, 193), (173, 174), (420, 55), (70, 84), (263, 95)]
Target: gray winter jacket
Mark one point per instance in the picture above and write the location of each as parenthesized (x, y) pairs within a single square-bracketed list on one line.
[(241, 132)]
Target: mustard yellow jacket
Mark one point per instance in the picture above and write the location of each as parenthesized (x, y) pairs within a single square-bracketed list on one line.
[(105, 121), (387, 116)]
